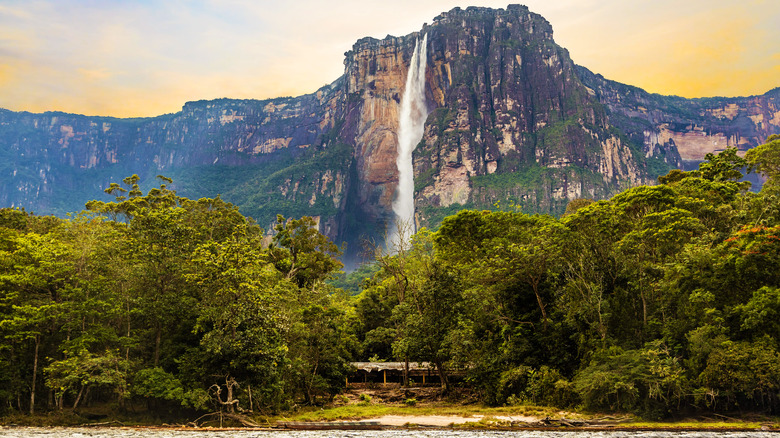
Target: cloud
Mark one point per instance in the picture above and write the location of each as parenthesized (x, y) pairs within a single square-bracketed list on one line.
[(13, 12), (100, 74), (701, 49)]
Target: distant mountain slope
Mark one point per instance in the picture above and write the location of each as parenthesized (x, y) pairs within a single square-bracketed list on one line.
[(694, 127)]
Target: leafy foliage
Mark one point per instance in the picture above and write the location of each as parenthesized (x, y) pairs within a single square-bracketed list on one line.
[(161, 298), (659, 300)]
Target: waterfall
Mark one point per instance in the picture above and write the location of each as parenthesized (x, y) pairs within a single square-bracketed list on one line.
[(411, 122)]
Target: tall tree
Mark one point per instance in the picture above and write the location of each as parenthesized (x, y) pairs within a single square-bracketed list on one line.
[(302, 253)]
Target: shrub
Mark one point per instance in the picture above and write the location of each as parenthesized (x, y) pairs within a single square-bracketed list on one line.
[(365, 400), (543, 386)]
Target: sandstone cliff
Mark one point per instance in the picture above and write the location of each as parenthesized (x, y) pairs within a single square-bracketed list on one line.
[(510, 119), (690, 128)]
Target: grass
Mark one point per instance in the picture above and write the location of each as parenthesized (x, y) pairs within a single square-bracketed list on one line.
[(68, 418), (358, 411), (490, 416)]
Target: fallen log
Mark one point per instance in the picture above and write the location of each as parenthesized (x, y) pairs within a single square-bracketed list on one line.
[(243, 419), (105, 423)]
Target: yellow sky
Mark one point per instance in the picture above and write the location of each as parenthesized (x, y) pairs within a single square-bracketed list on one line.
[(148, 57)]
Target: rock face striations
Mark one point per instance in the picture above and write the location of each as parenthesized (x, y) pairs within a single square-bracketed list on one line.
[(690, 128), (511, 118)]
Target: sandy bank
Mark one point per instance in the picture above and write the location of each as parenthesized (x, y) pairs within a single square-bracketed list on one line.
[(444, 420)]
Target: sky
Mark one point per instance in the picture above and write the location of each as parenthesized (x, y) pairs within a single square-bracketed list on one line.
[(140, 58)]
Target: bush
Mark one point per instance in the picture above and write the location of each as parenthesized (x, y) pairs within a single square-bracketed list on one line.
[(648, 382), (365, 400), (742, 374), (543, 386)]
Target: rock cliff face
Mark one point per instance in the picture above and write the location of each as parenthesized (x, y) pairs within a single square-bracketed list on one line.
[(690, 128), (47, 155), (511, 119)]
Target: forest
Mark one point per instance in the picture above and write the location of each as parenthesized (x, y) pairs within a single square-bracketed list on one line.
[(662, 300)]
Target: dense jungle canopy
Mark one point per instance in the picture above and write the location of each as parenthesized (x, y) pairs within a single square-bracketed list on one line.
[(660, 300)]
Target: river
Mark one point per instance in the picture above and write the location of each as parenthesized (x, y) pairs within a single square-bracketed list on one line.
[(57, 432)]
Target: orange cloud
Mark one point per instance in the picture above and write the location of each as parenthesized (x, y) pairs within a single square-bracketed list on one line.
[(699, 50), (99, 74)]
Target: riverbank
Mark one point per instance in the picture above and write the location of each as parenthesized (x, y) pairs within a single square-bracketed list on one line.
[(389, 408), (428, 412), (34, 432), (411, 421), (517, 418)]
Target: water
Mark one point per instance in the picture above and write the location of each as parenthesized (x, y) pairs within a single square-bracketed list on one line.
[(397, 433), (411, 123)]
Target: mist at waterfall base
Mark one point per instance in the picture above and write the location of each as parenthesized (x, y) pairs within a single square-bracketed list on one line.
[(411, 123)]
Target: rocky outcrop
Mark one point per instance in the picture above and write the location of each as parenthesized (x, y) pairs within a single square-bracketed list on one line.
[(48, 157), (511, 119), (685, 130), (375, 74)]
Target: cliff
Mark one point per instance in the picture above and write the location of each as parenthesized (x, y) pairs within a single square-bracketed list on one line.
[(690, 128), (511, 119)]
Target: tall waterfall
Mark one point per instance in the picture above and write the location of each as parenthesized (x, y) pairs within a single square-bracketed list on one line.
[(410, 131)]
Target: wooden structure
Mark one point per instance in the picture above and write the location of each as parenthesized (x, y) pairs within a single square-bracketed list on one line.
[(392, 374)]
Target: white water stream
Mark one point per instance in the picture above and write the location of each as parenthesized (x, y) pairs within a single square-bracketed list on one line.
[(411, 122)]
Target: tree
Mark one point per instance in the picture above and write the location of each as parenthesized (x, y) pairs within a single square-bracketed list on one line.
[(321, 341), (240, 315), (302, 253), (648, 381), (84, 371), (32, 284), (725, 166), (761, 314), (93, 312), (428, 312), (161, 245), (752, 259), (741, 374), (765, 159), (373, 308), (591, 268), (576, 204), (659, 236), (403, 268), (676, 175), (504, 249), (430, 315), (130, 200)]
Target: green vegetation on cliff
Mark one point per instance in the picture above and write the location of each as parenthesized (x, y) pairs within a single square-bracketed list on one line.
[(288, 184)]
